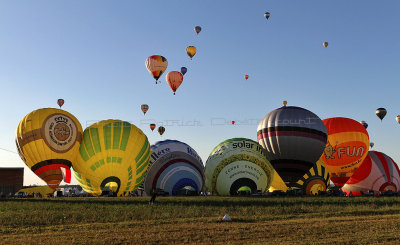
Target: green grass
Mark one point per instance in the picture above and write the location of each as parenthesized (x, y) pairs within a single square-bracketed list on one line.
[(183, 220)]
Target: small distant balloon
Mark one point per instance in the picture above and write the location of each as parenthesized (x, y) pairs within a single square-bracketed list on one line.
[(191, 51), (325, 44), (267, 15), (371, 144), (381, 113), (144, 108), (161, 130), (183, 70), (284, 103), (365, 124), (197, 29), (398, 119), (246, 77), (233, 122), (152, 126), (60, 102)]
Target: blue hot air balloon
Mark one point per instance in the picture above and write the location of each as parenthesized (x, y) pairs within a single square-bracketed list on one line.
[(183, 70)]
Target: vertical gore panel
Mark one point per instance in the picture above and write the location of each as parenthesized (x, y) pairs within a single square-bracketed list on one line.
[(83, 153), (107, 136), (94, 133), (88, 143), (116, 134), (125, 135), (144, 147)]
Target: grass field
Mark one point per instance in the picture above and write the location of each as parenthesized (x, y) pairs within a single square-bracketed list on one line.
[(185, 220)]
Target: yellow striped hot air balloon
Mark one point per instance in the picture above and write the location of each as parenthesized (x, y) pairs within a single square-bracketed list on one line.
[(48, 141), (113, 154)]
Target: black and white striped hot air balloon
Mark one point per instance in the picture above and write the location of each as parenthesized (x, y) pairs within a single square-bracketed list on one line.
[(294, 139)]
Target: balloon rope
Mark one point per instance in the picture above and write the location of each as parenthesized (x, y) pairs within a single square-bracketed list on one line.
[(8, 150)]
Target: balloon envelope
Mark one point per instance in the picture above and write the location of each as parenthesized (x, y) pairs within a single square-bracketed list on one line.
[(197, 29), (48, 141), (325, 44), (381, 113), (235, 163), (152, 126), (144, 108), (156, 65), (174, 167), (398, 119), (191, 51), (174, 80), (294, 139), (183, 70), (315, 180), (377, 172), (246, 77), (161, 130), (267, 15), (60, 102), (346, 148), (365, 124), (113, 152)]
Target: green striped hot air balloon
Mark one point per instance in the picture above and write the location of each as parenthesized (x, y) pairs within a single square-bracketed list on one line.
[(112, 153)]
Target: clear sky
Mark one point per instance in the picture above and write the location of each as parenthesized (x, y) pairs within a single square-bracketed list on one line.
[(92, 54)]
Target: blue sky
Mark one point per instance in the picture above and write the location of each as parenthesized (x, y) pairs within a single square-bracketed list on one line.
[(92, 54)]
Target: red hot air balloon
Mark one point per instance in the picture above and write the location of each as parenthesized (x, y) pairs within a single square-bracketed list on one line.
[(161, 130), (378, 172), (174, 80), (60, 102), (246, 77), (152, 126), (233, 122)]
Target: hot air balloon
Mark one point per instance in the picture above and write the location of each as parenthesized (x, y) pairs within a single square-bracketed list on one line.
[(325, 44), (284, 103), (197, 29), (156, 65), (191, 51), (152, 126), (246, 77), (113, 153), (174, 167), (60, 102), (144, 108), (398, 119), (237, 163), (378, 172), (347, 147), (371, 144), (233, 122), (174, 80), (294, 139), (183, 70), (381, 113), (48, 141), (267, 15), (365, 124), (315, 180), (161, 130)]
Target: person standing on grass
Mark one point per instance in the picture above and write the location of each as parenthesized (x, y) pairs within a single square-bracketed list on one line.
[(153, 196)]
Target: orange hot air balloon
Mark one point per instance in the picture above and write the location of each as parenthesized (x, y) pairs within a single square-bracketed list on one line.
[(174, 80), (347, 146), (161, 130), (325, 44), (152, 126), (156, 65), (144, 108), (246, 77), (60, 102)]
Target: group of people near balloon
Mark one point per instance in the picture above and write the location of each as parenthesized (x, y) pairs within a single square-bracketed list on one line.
[(295, 149)]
